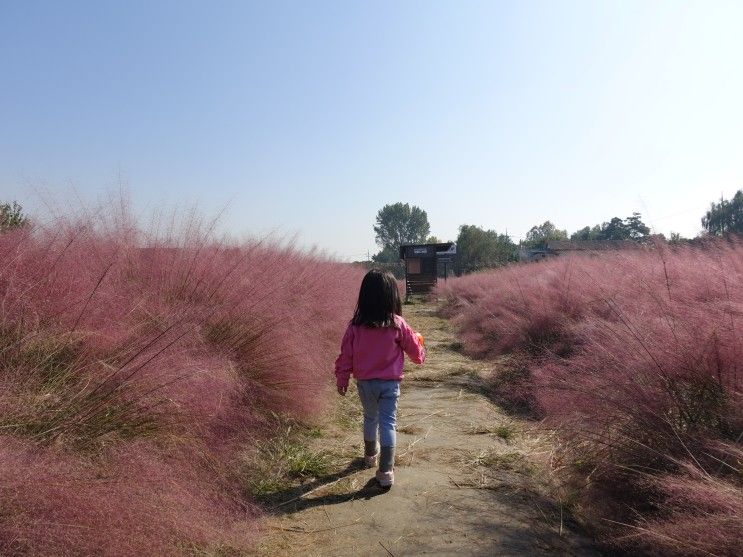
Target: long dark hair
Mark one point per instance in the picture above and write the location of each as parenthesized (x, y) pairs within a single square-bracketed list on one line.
[(379, 300)]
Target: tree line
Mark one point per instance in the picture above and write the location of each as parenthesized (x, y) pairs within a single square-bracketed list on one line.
[(725, 217), (479, 248)]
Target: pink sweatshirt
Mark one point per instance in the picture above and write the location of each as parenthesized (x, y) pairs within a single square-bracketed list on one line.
[(376, 353)]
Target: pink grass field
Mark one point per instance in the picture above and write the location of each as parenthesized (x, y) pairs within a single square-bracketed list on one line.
[(135, 366), (635, 358)]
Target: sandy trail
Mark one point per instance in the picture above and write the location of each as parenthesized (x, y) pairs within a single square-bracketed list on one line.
[(469, 478)]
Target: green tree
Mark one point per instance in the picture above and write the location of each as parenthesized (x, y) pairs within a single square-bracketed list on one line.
[(544, 233), (677, 238), (479, 249), (630, 228), (725, 217), (11, 216), (635, 227), (399, 224), (582, 234), (587, 233), (387, 255), (615, 229)]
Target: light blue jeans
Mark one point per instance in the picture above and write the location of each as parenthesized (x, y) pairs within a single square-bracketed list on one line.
[(379, 399)]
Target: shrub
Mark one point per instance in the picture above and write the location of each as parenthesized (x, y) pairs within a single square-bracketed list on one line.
[(11, 216), (634, 357)]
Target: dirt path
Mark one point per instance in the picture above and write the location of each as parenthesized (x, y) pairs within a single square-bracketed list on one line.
[(468, 478)]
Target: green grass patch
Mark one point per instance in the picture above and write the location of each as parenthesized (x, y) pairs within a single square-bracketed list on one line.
[(284, 461), (507, 432), (511, 461)]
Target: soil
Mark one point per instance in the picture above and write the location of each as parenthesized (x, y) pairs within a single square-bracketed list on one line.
[(469, 478)]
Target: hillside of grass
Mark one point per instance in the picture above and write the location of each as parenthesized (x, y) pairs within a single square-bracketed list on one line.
[(137, 367), (635, 359)]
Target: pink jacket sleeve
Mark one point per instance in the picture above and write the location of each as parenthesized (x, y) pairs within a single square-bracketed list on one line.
[(344, 361), (411, 345)]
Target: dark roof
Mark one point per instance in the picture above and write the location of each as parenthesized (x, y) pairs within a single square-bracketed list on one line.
[(439, 247)]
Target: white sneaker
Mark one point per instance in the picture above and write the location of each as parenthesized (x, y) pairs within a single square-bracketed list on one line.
[(371, 461)]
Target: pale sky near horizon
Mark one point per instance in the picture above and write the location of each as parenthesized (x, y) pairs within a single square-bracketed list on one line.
[(305, 118)]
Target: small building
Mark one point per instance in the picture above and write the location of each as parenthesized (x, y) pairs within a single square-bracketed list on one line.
[(423, 263), (553, 248), (533, 254)]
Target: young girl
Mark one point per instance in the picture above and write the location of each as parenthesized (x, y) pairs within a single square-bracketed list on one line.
[(372, 350)]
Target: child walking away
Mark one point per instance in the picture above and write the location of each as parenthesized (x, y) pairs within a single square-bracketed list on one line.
[(372, 350)]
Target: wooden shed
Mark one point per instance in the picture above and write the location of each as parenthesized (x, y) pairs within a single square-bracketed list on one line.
[(422, 263)]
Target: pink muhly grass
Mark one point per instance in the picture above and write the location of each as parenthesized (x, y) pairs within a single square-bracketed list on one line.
[(634, 357), (137, 501), (700, 514), (135, 366)]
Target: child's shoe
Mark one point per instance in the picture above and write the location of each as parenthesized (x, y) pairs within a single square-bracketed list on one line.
[(385, 479), (371, 454), (385, 476)]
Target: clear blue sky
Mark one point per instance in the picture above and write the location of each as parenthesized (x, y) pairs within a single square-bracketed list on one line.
[(307, 117)]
